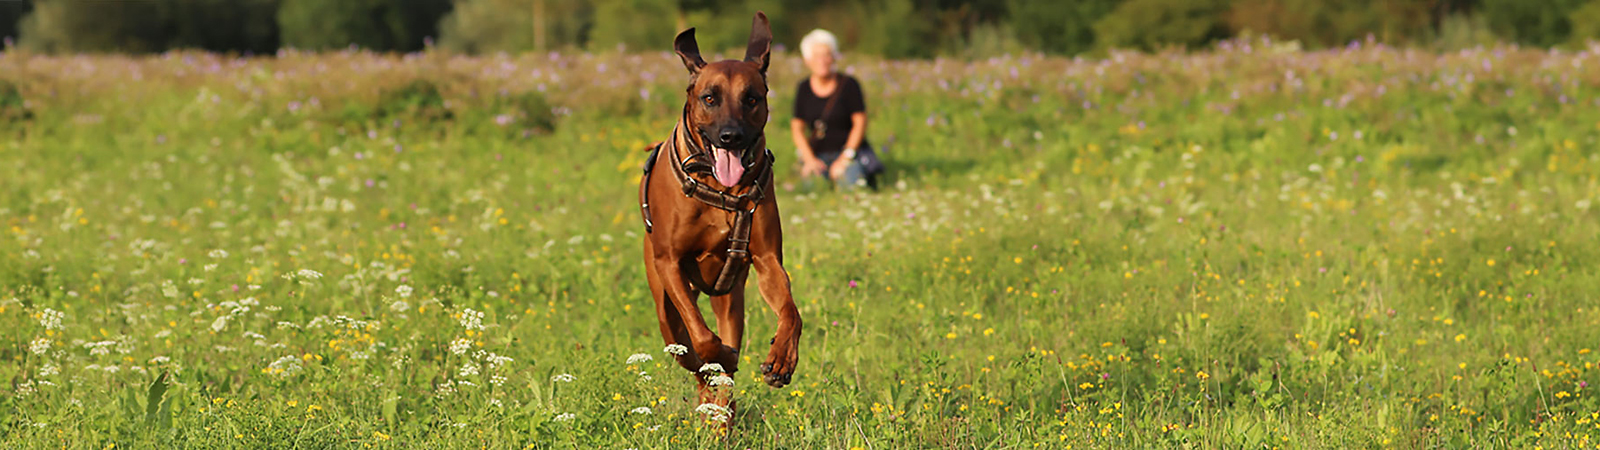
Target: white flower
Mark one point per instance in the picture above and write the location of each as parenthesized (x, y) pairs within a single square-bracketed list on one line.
[(642, 410), (309, 274), (497, 380), (159, 360), (403, 291), (564, 378), (218, 253), (566, 417), (721, 380), (711, 367), (472, 320), (644, 376), (39, 346), (285, 366), (219, 324), (460, 346), (49, 369), (495, 361), (468, 369), (637, 358), (676, 349), (714, 411), (400, 306), (50, 319)]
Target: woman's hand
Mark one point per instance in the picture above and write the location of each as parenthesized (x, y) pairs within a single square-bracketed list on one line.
[(813, 167), (836, 171)]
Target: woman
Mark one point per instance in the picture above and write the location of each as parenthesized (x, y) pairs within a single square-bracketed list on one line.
[(830, 116)]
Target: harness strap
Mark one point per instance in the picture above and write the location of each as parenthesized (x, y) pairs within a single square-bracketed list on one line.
[(738, 261)]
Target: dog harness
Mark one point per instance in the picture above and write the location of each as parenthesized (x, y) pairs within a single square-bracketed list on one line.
[(739, 238)]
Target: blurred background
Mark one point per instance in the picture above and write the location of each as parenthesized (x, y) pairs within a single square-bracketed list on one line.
[(887, 28)]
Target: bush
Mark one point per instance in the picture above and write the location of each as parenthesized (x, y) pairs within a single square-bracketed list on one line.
[(1332, 23), (1542, 23), (643, 25), (384, 25), (13, 108), (1585, 23), (1151, 24), (486, 26), (418, 101), (77, 26), (1062, 28)]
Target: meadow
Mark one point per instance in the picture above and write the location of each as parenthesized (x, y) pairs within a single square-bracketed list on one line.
[(1245, 247)]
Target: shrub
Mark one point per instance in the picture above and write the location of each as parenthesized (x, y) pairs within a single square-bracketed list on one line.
[(401, 25), (1151, 24)]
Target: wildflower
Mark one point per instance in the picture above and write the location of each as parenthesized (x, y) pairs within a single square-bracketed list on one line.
[(637, 358), (400, 306), (721, 380), (468, 369), (711, 367), (495, 361), (642, 410), (676, 349), (218, 254), (285, 366), (1461, 337), (565, 417), (564, 378), (472, 320), (460, 346), (715, 412), (220, 324), (39, 346), (50, 319), (309, 274), (1202, 375), (403, 291), (497, 380)]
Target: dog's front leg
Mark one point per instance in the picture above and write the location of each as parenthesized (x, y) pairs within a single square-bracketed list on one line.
[(766, 244), (706, 344)]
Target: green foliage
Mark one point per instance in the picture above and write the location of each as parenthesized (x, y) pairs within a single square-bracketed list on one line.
[(384, 25), (644, 25), (77, 26), (1152, 24), (1332, 23), (1585, 22), (894, 29), (1059, 27), (13, 107), (1543, 23), (485, 26)]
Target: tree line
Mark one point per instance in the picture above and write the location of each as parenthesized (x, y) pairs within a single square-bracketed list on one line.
[(890, 28)]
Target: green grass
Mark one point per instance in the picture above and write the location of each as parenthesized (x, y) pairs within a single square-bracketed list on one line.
[(1146, 251)]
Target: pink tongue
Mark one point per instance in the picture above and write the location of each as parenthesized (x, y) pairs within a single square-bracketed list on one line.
[(728, 168)]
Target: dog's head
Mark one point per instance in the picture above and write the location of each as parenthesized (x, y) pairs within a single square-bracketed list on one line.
[(726, 109)]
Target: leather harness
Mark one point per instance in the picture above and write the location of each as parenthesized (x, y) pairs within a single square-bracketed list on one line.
[(739, 239)]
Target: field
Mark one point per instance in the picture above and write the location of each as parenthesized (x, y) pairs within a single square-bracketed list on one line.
[(1248, 247)]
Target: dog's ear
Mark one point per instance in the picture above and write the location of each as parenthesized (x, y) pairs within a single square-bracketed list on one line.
[(760, 49), (689, 51)]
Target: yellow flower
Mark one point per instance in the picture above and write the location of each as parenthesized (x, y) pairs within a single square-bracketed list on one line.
[(1201, 374), (950, 335), (1491, 263), (1086, 386), (380, 436), (797, 394), (1461, 337), (988, 331)]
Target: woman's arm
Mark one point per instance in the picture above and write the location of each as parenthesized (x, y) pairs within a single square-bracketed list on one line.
[(858, 130), (809, 164)]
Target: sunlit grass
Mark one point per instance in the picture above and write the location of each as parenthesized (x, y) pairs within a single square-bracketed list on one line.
[(1239, 248)]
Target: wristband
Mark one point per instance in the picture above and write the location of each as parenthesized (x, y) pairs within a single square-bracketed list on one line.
[(850, 153)]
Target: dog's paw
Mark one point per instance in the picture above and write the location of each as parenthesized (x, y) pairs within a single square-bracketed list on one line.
[(778, 369), (716, 352)]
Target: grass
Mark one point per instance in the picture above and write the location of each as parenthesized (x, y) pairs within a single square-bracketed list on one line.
[(1241, 248)]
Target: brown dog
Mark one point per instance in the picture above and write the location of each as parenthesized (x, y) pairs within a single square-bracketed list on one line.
[(713, 214)]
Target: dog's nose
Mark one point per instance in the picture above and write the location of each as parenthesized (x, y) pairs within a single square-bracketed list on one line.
[(731, 136)]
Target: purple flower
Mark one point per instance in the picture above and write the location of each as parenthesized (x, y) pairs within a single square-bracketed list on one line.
[(852, 284)]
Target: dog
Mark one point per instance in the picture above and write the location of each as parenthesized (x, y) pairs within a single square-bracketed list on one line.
[(715, 214)]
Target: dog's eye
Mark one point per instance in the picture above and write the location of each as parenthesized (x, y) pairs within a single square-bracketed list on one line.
[(709, 100), (752, 101)]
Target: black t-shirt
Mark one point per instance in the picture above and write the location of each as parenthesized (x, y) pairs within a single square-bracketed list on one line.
[(837, 125)]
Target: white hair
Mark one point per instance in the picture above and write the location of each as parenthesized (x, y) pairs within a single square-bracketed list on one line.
[(819, 36)]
